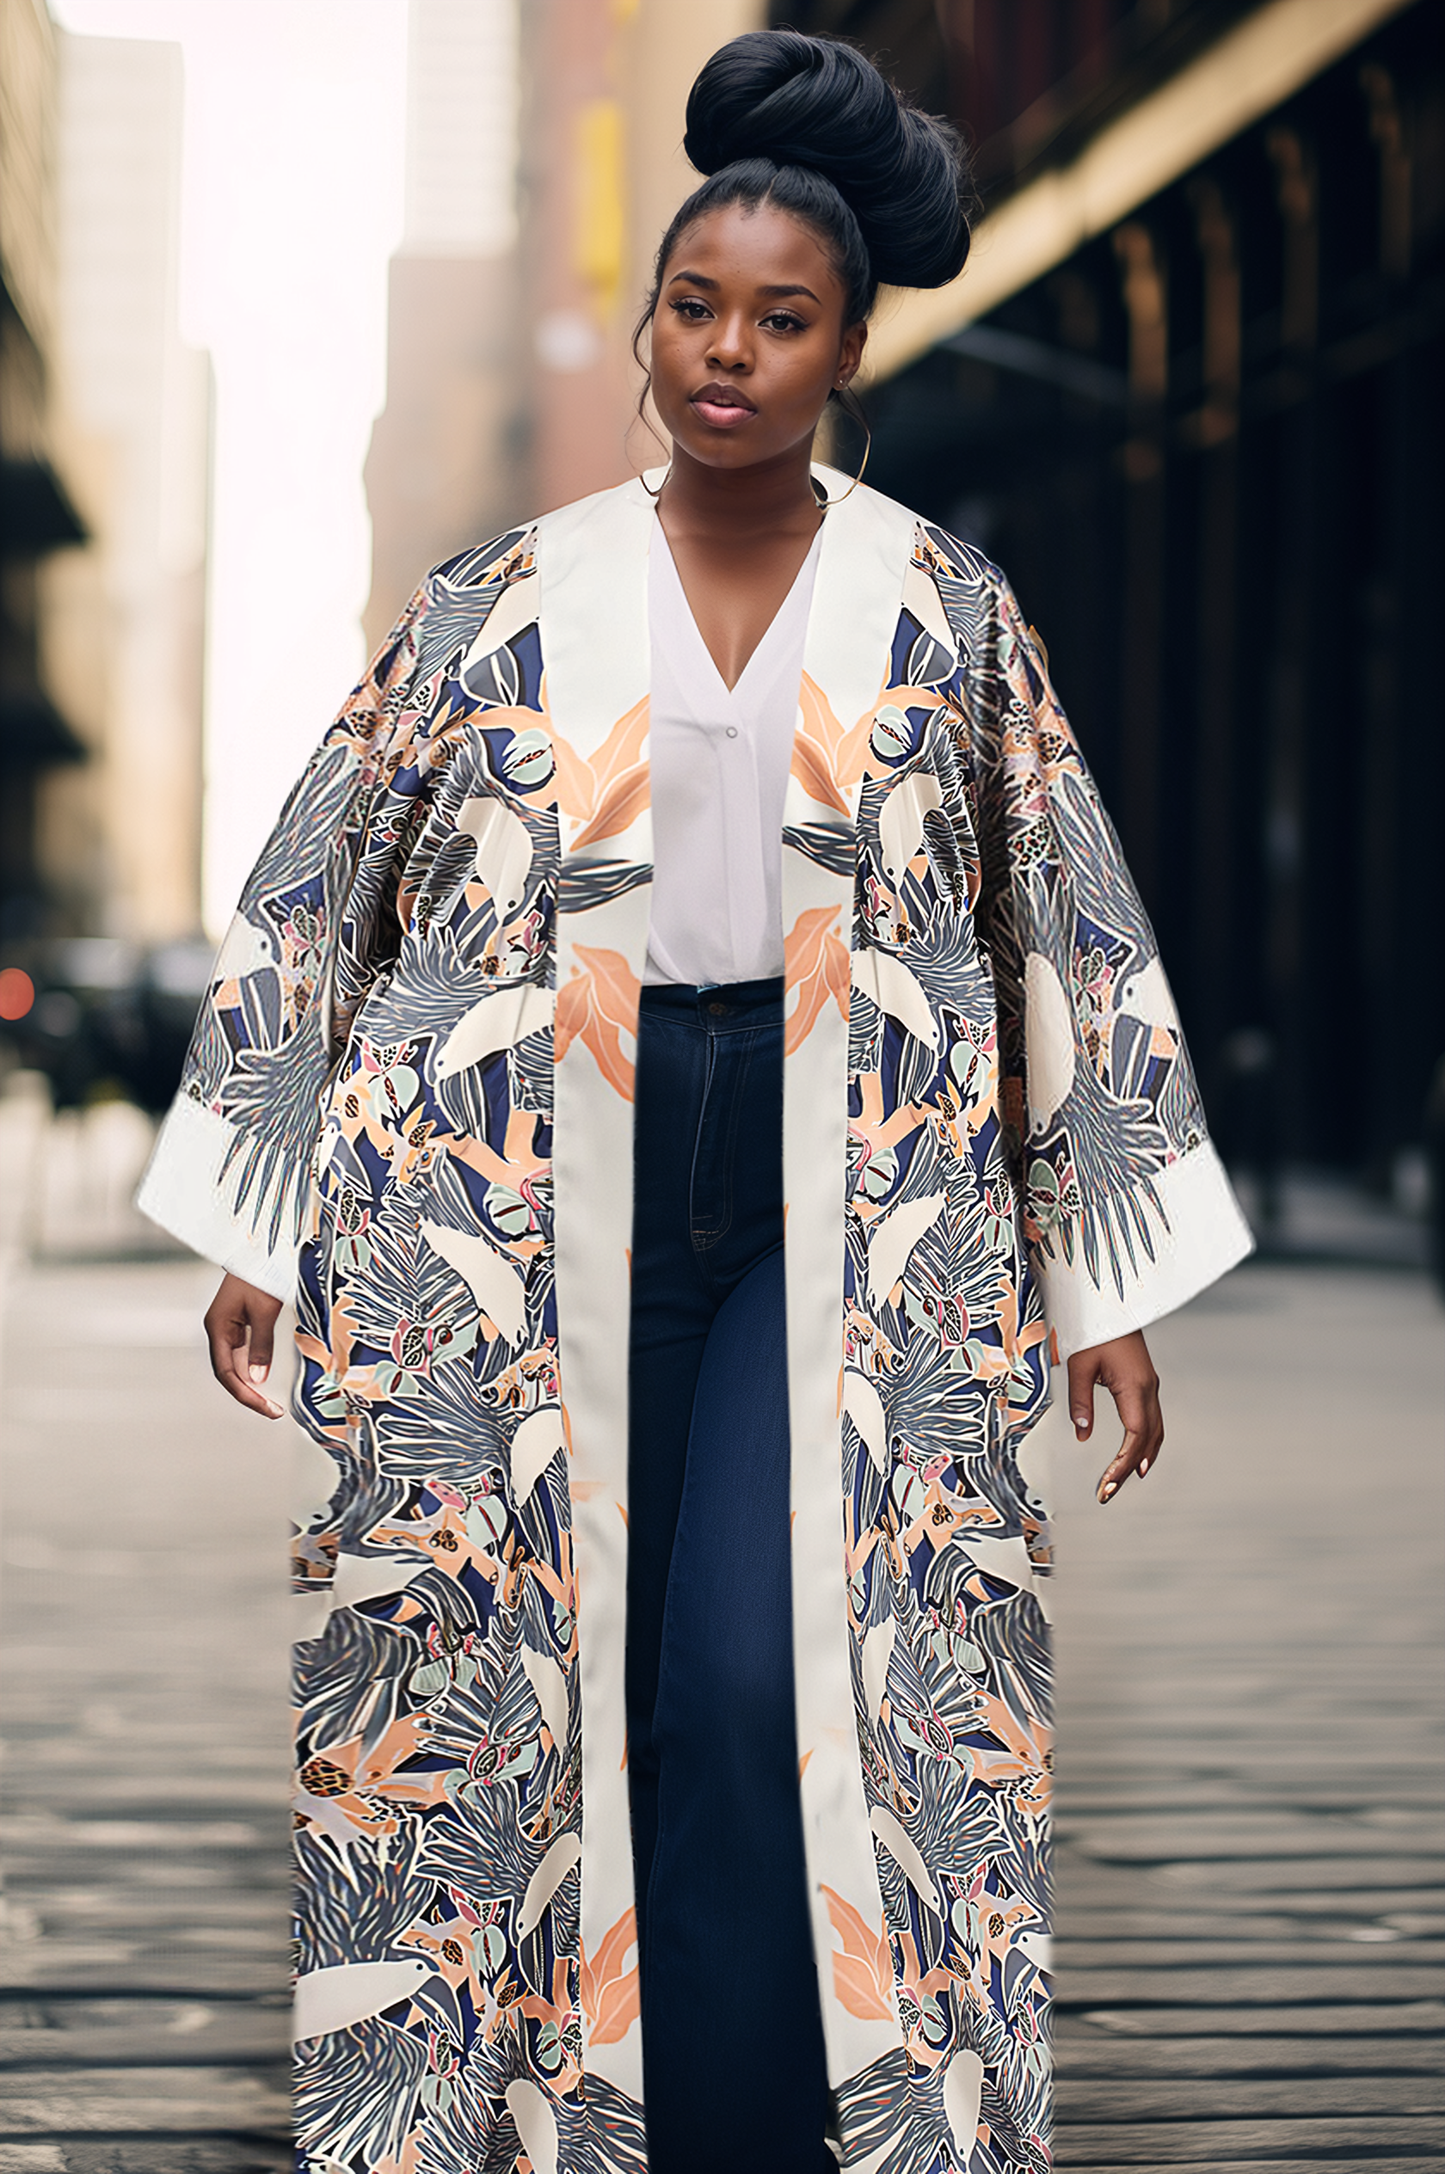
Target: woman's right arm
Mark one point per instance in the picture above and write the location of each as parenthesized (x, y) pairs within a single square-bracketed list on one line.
[(241, 1331), (316, 921)]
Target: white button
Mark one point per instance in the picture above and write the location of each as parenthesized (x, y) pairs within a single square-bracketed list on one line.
[(732, 732)]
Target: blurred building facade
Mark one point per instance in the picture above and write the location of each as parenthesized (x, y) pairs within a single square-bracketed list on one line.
[(104, 418), (1187, 393), (125, 618), (36, 515), (104, 428), (605, 83), (528, 253), (443, 466)]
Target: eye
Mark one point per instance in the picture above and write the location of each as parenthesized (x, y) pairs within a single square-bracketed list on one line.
[(690, 309), (783, 320)]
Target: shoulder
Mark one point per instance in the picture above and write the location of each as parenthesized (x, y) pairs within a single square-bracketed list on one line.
[(973, 595), (608, 527), (952, 585), (944, 557), (603, 521), (483, 566), (459, 597), (956, 561)]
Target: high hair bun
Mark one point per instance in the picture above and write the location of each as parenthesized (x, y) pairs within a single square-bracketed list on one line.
[(797, 101)]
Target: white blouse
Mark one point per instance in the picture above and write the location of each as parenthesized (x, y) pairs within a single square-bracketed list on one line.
[(720, 758)]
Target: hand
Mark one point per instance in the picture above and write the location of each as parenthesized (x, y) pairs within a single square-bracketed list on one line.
[(1125, 1369), (241, 1331)]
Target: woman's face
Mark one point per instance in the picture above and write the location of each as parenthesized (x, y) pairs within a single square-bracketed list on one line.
[(748, 338)]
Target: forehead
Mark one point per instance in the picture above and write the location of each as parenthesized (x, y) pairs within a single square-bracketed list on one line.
[(755, 245)]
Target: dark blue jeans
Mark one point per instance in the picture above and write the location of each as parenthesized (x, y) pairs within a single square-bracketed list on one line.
[(732, 2039)]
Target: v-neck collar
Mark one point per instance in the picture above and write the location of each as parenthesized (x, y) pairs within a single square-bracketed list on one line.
[(761, 660)]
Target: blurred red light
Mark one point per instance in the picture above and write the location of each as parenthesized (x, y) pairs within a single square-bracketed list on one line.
[(17, 993)]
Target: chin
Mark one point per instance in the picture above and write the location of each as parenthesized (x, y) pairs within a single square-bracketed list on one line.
[(722, 450)]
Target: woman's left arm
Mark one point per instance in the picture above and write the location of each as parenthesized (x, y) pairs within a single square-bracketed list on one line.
[(1126, 1208)]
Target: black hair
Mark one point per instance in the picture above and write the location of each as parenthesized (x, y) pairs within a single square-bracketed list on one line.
[(810, 125)]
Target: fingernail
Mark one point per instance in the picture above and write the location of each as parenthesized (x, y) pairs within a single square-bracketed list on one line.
[(274, 1410), (1110, 1487), (1081, 1419), (1143, 1468), (259, 1373)]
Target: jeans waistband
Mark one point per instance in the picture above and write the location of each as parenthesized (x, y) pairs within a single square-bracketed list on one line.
[(720, 1008)]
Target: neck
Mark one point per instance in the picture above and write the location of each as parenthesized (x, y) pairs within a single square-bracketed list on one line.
[(772, 497)]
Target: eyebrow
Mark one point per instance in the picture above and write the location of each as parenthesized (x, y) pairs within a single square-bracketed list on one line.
[(700, 279)]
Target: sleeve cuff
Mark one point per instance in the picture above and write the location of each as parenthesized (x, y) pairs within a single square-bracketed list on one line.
[(185, 1191), (1199, 1237)]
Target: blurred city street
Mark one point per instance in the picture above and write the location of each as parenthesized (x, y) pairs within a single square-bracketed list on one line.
[(302, 297), (1252, 1873)]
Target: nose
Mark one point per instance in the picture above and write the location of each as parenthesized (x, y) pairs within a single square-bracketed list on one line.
[(731, 347)]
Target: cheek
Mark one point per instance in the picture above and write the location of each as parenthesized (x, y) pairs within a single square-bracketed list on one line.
[(806, 374), (669, 356)]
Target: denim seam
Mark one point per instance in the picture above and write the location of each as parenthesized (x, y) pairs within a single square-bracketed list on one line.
[(726, 1144)]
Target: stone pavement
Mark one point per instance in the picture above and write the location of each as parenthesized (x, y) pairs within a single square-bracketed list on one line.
[(1252, 1879)]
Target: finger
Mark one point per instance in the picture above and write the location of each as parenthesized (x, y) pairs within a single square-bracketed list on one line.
[(1143, 1435), (228, 1338), (1151, 1453), (1083, 1373), (258, 1355), (1127, 1461), (235, 1384)]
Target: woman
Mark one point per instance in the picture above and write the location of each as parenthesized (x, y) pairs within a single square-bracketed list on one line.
[(713, 844)]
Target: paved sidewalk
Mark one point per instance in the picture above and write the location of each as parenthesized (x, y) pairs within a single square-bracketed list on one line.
[(1251, 1877), (1252, 1880), (143, 2021)]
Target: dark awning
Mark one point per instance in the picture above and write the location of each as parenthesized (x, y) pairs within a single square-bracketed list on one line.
[(33, 733), (35, 513)]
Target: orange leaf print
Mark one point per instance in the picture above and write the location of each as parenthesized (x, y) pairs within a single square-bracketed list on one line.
[(609, 1992), (811, 771), (817, 968), (597, 1007), (619, 807), (608, 793), (863, 1971), (826, 759)]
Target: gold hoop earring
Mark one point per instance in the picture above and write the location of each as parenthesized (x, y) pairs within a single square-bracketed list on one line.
[(828, 503)]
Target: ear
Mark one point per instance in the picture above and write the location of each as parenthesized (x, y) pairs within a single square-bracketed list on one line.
[(850, 354)]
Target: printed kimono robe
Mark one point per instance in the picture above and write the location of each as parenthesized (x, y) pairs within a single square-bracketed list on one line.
[(408, 1106)]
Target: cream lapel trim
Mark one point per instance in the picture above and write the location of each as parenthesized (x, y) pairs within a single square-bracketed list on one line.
[(592, 562), (867, 550)]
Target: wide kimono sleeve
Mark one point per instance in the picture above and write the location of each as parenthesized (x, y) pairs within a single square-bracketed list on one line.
[(230, 1173), (1126, 1206)]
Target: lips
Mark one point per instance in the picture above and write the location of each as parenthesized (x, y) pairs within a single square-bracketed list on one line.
[(722, 406)]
